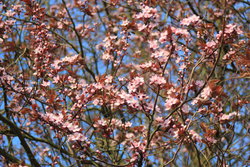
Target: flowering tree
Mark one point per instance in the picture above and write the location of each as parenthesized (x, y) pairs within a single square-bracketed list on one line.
[(124, 83)]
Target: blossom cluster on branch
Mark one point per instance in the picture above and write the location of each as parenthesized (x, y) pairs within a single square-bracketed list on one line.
[(124, 83)]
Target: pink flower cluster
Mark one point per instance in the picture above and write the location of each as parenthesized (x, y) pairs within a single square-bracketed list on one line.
[(135, 83), (77, 137), (211, 139), (199, 83), (206, 93), (228, 117), (146, 13), (171, 102), (162, 55), (107, 56), (165, 123), (210, 47), (190, 20), (180, 32), (204, 96), (58, 122), (111, 127), (4, 77), (195, 136), (231, 28), (138, 148), (114, 123), (157, 80), (153, 44), (45, 83), (230, 33)]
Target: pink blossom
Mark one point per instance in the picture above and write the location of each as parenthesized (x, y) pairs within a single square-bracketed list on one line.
[(10, 13), (146, 65), (39, 50), (97, 102), (185, 108), (199, 83), (128, 124), (231, 31), (135, 83), (109, 79), (206, 93), (138, 145), (114, 123), (230, 28), (57, 119), (132, 102), (211, 140), (107, 56), (118, 102), (129, 135), (218, 13), (162, 55), (60, 25), (121, 79), (163, 36), (56, 79), (164, 123), (177, 131), (153, 44), (100, 122), (228, 117), (159, 119), (56, 64), (71, 79), (180, 31), (77, 137), (141, 26), (195, 136), (147, 12), (190, 20), (170, 102), (72, 127), (229, 55), (46, 83), (150, 107), (5, 36), (107, 42), (211, 45), (70, 59), (125, 23), (157, 80), (10, 22), (17, 7)]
